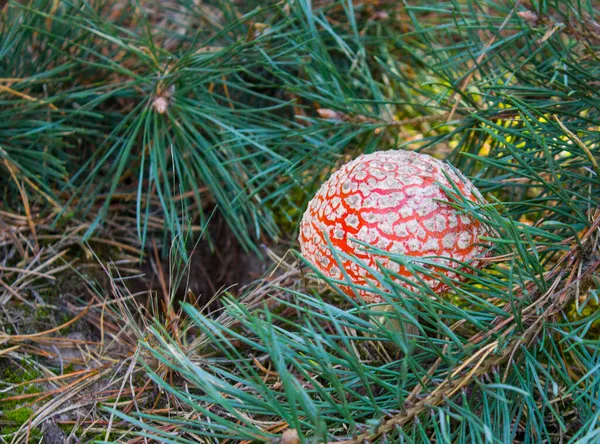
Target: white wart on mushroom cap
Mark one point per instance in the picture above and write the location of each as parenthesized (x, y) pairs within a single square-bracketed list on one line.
[(391, 200)]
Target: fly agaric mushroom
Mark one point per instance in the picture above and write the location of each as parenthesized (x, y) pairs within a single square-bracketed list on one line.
[(392, 200)]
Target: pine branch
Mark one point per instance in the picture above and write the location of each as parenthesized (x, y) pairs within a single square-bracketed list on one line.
[(489, 358)]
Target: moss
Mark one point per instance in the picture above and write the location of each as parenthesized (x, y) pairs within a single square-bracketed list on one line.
[(287, 213), (63, 222), (18, 416), (99, 437), (13, 416), (64, 318), (42, 313), (35, 434), (11, 405), (15, 419), (67, 428), (573, 314), (17, 375), (8, 404), (26, 372)]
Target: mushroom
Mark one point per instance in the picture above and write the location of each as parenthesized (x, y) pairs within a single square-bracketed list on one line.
[(392, 200)]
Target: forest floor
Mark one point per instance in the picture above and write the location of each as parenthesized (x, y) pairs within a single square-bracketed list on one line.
[(73, 315)]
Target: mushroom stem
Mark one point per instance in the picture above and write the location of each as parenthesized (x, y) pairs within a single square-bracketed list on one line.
[(395, 323)]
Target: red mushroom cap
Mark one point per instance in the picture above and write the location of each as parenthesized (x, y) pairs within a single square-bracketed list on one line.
[(390, 200)]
